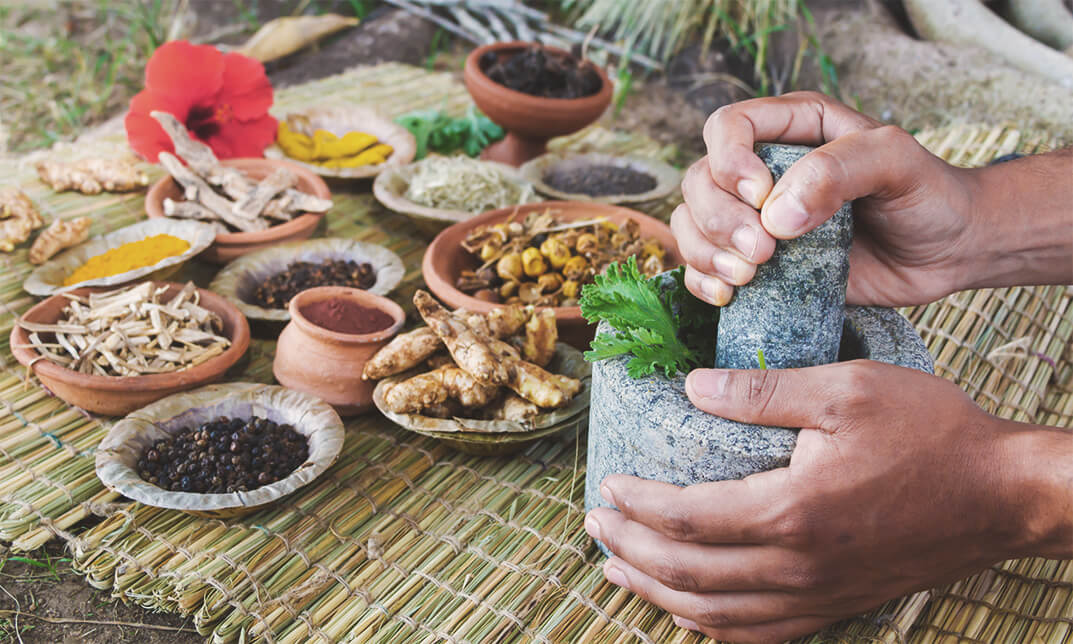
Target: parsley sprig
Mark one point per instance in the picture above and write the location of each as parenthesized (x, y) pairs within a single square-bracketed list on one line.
[(667, 330)]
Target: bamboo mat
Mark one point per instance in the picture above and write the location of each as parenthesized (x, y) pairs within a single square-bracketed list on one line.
[(405, 540)]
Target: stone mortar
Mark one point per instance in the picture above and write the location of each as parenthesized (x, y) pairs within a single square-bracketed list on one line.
[(796, 313)]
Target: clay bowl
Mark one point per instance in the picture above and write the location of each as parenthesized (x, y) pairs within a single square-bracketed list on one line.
[(119, 395), (445, 258), (228, 246), (529, 120), (328, 364)]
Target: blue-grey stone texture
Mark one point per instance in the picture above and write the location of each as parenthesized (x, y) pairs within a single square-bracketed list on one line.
[(648, 427), (792, 309)]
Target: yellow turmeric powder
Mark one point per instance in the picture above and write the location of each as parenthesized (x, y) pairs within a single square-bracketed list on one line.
[(128, 257)]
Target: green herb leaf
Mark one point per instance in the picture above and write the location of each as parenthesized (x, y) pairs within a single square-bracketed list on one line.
[(435, 131), (760, 356)]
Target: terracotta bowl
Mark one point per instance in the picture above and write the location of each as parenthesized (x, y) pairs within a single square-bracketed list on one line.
[(328, 364), (228, 246), (445, 258), (529, 120), (120, 395)]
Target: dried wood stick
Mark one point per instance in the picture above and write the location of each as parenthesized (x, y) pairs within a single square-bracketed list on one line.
[(255, 201), (188, 210), (201, 159), (305, 202), (214, 202), (281, 208)]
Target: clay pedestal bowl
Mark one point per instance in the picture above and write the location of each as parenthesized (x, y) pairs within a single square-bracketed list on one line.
[(529, 120), (328, 364), (228, 246), (116, 395), (445, 258)]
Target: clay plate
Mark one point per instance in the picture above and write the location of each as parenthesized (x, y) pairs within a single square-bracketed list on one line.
[(117, 456), (339, 121), (228, 246), (119, 395), (667, 178), (487, 437), (445, 258), (391, 186), (47, 279), (240, 278)]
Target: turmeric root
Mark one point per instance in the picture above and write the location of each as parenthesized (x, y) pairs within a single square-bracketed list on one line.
[(18, 218), (514, 407), (405, 351), (469, 349), (59, 235), (435, 387), (541, 334), (92, 176)]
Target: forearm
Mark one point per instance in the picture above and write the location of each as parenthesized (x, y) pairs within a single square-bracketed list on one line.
[(1037, 486), (1022, 222)]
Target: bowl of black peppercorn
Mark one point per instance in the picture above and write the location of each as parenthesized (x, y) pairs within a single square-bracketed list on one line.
[(221, 451)]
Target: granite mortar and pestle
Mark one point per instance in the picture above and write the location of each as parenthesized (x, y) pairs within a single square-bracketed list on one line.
[(794, 310)]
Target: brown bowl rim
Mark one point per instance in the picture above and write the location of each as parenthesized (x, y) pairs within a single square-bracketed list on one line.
[(450, 295), (154, 204), (473, 72), (316, 294), (152, 382)]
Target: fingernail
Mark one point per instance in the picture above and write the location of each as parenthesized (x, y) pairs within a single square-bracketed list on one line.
[(710, 287), (786, 216), (592, 526), (745, 241), (729, 266), (605, 491), (749, 191), (687, 624), (708, 383), (615, 575)]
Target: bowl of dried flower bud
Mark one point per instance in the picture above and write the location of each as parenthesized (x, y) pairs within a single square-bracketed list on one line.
[(541, 255), (221, 451), (485, 383), (252, 203), (262, 283), (113, 351)]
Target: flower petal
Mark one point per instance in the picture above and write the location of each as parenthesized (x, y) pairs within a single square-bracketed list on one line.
[(244, 138), (245, 87), (180, 70), (144, 134)]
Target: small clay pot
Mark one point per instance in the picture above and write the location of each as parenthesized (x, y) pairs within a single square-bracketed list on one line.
[(120, 395), (529, 120), (328, 364), (228, 246), (445, 259)]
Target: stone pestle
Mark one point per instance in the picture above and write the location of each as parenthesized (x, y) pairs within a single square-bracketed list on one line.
[(793, 309)]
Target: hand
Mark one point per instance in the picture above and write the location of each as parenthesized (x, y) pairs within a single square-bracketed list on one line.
[(898, 482), (911, 208)]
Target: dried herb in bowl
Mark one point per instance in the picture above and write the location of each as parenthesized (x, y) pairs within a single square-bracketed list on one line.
[(277, 291), (224, 455), (599, 180)]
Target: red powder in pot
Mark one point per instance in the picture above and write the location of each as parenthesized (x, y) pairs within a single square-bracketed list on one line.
[(346, 316)]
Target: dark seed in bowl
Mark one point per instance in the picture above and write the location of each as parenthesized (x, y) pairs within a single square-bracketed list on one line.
[(276, 292), (224, 455), (599, 180)]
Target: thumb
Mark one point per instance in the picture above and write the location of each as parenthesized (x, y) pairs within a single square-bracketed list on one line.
[(779, 397), (882, 162)]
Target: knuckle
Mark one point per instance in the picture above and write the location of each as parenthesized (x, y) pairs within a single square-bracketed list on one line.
[(674, 574), (854, 390), (803, 576), (676, 522), (795, 529), (892, 136), (824, 171), (758, 388), (712, 615)]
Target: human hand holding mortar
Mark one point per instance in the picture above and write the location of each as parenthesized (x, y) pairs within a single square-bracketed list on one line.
[(856, 507)]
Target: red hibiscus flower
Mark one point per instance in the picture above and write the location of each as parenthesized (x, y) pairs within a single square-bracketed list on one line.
[(223, 99)]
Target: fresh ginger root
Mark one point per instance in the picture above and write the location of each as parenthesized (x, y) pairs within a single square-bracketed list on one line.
[(469, 348), (18, 218), (61, 234), (514, 407), (435, 387), (92, 176), (541, 334), (404, 352)]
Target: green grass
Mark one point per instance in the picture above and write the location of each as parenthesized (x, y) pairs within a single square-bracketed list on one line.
[(67, 68)]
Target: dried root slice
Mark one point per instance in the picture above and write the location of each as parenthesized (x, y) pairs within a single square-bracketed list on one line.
[(253, 204), (436, 387), (92, 176), (198, 191), (61, 234), (404, 352), (18, 218), (469, 349)]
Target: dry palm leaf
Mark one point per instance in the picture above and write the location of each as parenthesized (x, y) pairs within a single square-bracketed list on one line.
[(284, 36)]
